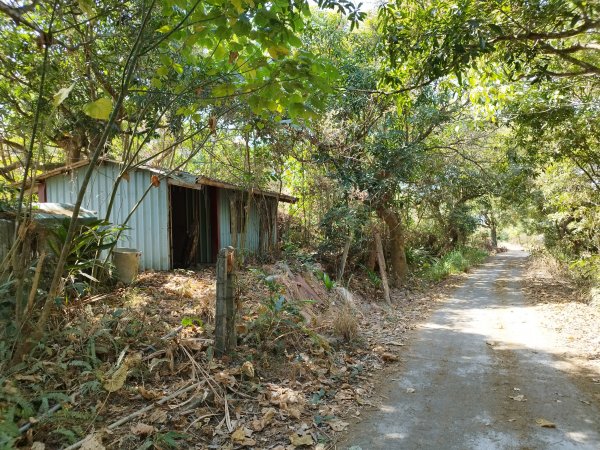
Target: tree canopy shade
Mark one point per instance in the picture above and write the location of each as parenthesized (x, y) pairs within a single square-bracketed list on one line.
[(533, 40), (177, 66)]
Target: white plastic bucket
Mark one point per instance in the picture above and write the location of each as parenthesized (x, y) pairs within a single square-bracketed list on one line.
[(127, 263)]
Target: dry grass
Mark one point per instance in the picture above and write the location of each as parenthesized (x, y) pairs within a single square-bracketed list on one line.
[(345, 323), (141, 318)]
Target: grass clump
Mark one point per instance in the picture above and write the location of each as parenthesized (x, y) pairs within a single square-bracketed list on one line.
[(345, 324), (455, 261)]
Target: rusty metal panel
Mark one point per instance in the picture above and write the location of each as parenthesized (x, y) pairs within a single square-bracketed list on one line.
[(253, 231), (149, 224), (267, 211), (252, 244), (224, 219)]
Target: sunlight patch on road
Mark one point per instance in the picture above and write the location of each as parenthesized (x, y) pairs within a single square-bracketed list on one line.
[(396, 436), (387, 409)]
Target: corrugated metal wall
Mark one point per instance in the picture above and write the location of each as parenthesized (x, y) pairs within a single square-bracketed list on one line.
[(205, 244), (268, 212), (149, 225), (253, 242)]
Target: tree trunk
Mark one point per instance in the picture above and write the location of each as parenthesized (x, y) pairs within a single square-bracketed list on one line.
[(454, 236), (372, 258), (72, 146), (493, 234), (399, 266), (342, 267), (382, 271)]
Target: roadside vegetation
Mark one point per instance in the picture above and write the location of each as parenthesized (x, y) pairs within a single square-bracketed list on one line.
[(417, 137), (453, 262)]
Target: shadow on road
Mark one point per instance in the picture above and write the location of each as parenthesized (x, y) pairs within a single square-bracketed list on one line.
[(483, 374)]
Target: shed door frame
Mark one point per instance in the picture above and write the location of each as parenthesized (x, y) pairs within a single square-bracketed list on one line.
[(191, 226)]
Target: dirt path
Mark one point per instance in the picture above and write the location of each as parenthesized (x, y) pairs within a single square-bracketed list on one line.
[(483, 374)]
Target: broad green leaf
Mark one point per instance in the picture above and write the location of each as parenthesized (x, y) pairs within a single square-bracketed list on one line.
[(162, 71), (100, 109), (164, 29), (87, 6), (156, 83), (295, 41), (237, 4), (165, 59), (62, 95), (221, 52), (278, 51), (223, 90)]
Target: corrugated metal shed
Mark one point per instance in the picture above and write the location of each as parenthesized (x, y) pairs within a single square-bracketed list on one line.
[(149, 226), (261, 223), (180, 222)]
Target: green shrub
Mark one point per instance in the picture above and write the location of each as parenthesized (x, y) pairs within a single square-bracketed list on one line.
[(419, 257), (8, 197), (84, 263), (373, 277), (326, 279), (455, 261)]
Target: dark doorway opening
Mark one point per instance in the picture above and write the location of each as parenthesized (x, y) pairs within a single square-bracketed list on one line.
[(193, 227)]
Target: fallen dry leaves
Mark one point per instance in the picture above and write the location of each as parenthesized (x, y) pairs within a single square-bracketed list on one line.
[(300, 397), (92, 442), (545, 423), (142, 429), (298, 441), (565, 310)]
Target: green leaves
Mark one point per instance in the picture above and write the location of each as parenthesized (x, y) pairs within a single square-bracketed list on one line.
[(237, 4), (278, 51), (164, 29), (87, 6), (511, 33), (100, 109)]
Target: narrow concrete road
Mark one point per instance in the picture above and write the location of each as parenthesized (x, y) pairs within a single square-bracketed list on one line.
[(483, 374)]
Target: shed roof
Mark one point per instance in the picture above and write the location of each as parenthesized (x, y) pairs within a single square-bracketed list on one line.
[(44, 212), (48, 213), (177, 177)]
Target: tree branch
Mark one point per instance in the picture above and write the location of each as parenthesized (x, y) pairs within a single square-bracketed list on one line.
[(537, 36), (16, 14), (20, 147), (590, 68), (578, 48)]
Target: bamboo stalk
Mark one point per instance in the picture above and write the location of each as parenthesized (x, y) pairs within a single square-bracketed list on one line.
[(55, 286)]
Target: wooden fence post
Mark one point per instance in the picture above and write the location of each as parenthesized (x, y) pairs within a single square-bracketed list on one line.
[(225, 339)]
